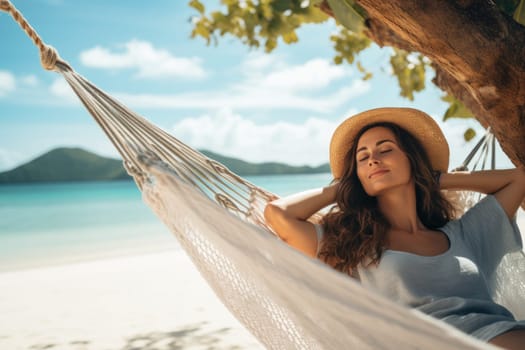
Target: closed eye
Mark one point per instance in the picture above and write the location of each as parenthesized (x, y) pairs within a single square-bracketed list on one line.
[(366, 157)]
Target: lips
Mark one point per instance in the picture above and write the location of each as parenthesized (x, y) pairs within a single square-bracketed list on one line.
[(377, 173)]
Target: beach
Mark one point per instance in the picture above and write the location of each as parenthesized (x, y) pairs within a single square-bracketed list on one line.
[(151, 301), (89, 280), (89, 266)]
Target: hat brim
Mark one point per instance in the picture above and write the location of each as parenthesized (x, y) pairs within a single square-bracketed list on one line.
[(419, 124)]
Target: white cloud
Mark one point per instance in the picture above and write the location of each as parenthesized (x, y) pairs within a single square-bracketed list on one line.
[(267, 99), (256, 61), (269, 83), (266, 82), (7, 83), (264, 72), (60, 88), (237, 136), (313, 75), (150, 62), (29, 80)]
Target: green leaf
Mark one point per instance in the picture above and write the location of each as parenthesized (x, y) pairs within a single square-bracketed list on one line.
[(456, 109), (290, 37), (197, 5), (346, 14), (366, 75), (410, 72), (469, 134), (519, 14), (270, 44), (338, 59), (348, 44)]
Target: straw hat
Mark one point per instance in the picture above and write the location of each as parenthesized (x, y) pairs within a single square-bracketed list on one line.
[(416, 122)]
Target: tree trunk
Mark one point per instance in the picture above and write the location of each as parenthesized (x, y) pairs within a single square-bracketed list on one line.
[(478, 53)]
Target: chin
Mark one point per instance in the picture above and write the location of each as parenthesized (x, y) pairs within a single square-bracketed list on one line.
[(373, 192), (377, 190)]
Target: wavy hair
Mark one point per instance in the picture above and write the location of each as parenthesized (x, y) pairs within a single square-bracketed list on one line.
[(355, 229)]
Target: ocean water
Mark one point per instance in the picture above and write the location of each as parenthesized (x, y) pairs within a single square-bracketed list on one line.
[(47, 224), (56, 223)]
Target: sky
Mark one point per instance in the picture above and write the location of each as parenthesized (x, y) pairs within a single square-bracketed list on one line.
[(228, 98)]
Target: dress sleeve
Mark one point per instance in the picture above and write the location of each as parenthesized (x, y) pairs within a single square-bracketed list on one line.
[(489, 232)]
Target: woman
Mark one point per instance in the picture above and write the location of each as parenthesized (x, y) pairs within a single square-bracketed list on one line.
[(393, 230)]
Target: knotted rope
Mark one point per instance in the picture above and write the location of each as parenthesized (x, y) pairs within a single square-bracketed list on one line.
[(49, 57)]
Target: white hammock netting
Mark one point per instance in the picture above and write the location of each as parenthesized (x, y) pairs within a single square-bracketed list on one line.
[(284, 298)]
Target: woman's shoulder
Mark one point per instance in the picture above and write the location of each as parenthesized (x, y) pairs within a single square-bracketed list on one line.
[(486, 227), (487, 207)]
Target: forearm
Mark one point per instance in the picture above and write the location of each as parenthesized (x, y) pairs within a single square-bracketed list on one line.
[(303, 205), (508, 186), (486, 181)]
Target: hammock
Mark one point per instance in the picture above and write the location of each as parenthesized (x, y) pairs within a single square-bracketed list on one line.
[(284, 298)]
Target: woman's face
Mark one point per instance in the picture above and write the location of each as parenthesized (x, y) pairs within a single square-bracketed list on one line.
[(381, 163)]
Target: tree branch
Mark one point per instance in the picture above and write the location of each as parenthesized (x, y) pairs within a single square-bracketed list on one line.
[(478, 52)]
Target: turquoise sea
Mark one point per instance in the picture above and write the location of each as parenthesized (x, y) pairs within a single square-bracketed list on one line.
[(55, 223)]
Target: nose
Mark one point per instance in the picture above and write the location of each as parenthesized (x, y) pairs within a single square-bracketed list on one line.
[(372, 160)]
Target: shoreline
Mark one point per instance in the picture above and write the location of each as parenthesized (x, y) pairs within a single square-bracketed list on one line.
[(160, 242), (46, 263)]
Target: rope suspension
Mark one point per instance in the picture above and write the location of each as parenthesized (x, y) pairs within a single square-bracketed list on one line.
[(49, 57)]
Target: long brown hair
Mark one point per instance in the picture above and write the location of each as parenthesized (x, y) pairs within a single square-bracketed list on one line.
[(355, 229)]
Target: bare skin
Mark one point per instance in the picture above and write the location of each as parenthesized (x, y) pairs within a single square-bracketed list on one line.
[(384, 172), (396, 197), (512, 340)]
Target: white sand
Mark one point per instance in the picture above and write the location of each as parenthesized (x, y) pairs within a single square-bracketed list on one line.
[(150, 302), (156, 301)]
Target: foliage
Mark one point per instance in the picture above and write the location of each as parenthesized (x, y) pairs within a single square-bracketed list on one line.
[(409, 68), (514, 8), (469, 134), (256, 21), (519, 13), (457, 109), (264, 22), (348, 45), (349, 14)]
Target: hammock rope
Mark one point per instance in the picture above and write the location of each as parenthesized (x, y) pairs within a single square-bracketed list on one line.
[(285, 299), (48, 55)]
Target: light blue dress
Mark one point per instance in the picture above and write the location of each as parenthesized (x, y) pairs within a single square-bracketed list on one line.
[(454, 286)]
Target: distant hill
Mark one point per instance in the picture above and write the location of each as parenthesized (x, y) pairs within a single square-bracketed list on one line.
[(243, 168), (66, 164), (75, 164)]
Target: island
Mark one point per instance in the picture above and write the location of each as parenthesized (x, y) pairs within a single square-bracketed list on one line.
[(76, 164)]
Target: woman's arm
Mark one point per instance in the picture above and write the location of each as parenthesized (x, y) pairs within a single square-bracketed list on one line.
[(287, 217), (508, 186)]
